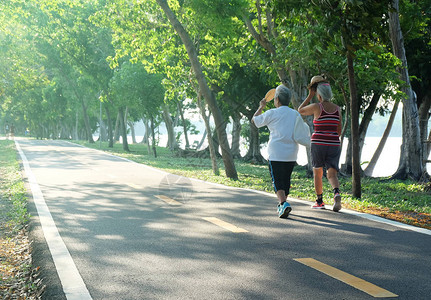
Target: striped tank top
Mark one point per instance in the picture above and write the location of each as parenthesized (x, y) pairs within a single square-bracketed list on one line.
[(325, 128)]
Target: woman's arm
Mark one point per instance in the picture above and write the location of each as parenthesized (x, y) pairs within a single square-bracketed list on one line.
[(305, 108), (258, 112), (340, 125)]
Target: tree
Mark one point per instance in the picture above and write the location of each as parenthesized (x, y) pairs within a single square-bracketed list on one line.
[(376, 80), (371, 165), (150, 39), (265, 40), (22, 77), (204, 89), (357, 23), (245, 87), (141, 92), (415, 19), (64, 33), (411, 160)]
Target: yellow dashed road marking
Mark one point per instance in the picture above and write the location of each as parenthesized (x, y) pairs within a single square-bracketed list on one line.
[(168, 200), (135, 186), (224, 224), (356, 282)]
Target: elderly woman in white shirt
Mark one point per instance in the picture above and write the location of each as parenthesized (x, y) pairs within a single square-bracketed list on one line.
[(282, 149)]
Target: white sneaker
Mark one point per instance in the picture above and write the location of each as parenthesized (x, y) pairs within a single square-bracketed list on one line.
[(337, 202)]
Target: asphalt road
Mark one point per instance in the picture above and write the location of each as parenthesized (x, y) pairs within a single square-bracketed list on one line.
[(107, 228)]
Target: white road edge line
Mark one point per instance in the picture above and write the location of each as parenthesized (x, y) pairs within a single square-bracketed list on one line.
[(347, 211), (73, 285)]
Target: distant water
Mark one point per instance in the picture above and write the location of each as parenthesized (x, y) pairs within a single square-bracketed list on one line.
[(388, 160), (386, 165)]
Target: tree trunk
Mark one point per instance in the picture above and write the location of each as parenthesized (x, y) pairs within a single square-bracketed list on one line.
[(299, 81), (366, 120), (424, 115), (186, 136), (172, 141), (236, 135), (103, 131), (411, 160), (211, 148), (199, 145), (87, 123), (153, 137), (372, 164), (63, 131), (346, 168), (362, 132), (75, 131), (253, 154), (354, 128), (145, 140), (132, 131), (126, 117), (117, 128), (102, 126), (123, 130), (110, 136), (205, 90), (216, 143)]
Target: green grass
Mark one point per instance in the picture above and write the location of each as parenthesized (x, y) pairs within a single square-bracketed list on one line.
[(12, 187), (391, 195), (15, 250)]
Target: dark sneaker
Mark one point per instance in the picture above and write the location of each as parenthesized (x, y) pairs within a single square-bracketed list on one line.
[(337, 202), (284, 210), (318, 205)]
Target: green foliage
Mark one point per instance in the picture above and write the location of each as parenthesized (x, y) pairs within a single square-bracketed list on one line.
[(376, 74), (415, 21), (67, 53), (132, 86), (62, 57)]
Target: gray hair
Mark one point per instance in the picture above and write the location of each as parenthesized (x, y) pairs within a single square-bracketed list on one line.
[(324, 90), (283, 94)]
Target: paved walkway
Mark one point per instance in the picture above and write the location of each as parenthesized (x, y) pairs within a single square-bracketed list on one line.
[(115, 229)]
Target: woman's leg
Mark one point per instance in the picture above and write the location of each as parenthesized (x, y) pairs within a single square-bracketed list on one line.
[(333, 178), (318, 185), (281, 195), (287, 177), (281, 173)]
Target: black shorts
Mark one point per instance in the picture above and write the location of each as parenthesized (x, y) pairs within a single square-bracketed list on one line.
[(325, 156), (281, 171)]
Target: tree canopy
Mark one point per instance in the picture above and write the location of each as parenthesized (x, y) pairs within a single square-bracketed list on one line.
[(61, 58)]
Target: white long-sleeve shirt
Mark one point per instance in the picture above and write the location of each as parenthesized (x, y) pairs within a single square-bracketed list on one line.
[(280, 122)]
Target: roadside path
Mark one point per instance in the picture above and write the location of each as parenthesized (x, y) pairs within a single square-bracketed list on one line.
[(120, 230)]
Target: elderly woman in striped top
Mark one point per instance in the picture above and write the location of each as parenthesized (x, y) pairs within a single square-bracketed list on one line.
[(325, 141)]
